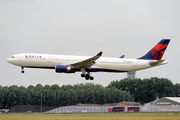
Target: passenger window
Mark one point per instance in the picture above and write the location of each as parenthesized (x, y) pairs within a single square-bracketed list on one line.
[(12, 56)]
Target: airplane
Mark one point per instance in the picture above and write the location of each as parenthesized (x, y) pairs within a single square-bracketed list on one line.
[(87, 64)]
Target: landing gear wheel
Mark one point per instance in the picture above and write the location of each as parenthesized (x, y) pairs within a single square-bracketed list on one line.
[(82, 75), (87, 77), (22, 72), (91, 78)]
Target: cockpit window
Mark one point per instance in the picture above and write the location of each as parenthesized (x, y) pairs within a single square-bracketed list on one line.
[(12, 56)]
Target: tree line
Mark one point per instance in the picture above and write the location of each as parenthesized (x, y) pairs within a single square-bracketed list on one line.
[(137, 90), (147, 90), (55, 95)]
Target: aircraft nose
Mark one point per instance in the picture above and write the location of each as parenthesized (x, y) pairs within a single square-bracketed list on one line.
[(9, 60)]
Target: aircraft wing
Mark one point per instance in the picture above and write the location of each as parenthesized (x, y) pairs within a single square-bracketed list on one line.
[(156, 62), (86, 63)]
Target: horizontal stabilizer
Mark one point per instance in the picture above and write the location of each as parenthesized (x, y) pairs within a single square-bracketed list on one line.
[(155, 63), (122, 56)]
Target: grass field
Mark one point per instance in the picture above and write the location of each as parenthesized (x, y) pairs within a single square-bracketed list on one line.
[(120, 116)]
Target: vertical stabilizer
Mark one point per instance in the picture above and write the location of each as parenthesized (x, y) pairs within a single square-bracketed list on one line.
[(157, 51)]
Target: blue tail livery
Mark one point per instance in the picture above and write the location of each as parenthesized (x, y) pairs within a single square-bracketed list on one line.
[(157, 51)]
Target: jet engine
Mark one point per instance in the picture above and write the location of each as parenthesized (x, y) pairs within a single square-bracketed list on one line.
[(63, 69)]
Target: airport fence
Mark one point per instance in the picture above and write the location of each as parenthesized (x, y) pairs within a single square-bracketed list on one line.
[(162, 108), (104, 109)]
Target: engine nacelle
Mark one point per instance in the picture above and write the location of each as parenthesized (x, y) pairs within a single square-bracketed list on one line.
[(63, 68)]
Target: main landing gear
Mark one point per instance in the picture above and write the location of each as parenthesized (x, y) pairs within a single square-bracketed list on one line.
[(22, 70), (87, 76)]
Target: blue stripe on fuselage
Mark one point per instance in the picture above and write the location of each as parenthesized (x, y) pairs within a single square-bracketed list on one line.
[(88, 70), (104, 70)]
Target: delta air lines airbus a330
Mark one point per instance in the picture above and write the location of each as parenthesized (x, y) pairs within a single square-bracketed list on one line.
[(85, 64)]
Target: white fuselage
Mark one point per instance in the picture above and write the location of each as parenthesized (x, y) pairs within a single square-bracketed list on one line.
[(103, 64)]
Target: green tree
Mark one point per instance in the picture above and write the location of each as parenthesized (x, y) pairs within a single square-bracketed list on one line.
[(146, 90), (177, 89), (47, 87), (55, 87), (1, 97)]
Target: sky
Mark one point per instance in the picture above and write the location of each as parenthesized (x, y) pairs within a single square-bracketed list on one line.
[(86, 27)]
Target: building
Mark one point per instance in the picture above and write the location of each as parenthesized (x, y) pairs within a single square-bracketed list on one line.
[(165, 104), (131, 75), (166, 101)]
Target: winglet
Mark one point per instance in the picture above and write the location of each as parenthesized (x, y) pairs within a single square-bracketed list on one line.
[(99, 54)]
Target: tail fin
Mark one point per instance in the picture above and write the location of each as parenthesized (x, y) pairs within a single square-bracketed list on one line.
[(157, 51)]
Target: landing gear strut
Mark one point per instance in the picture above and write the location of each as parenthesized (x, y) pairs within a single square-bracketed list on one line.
[(22, 70)]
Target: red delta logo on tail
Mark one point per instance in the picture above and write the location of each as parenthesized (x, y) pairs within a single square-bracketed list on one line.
[(157, 51)]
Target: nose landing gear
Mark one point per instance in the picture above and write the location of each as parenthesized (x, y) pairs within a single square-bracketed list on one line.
[(22, 70)]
